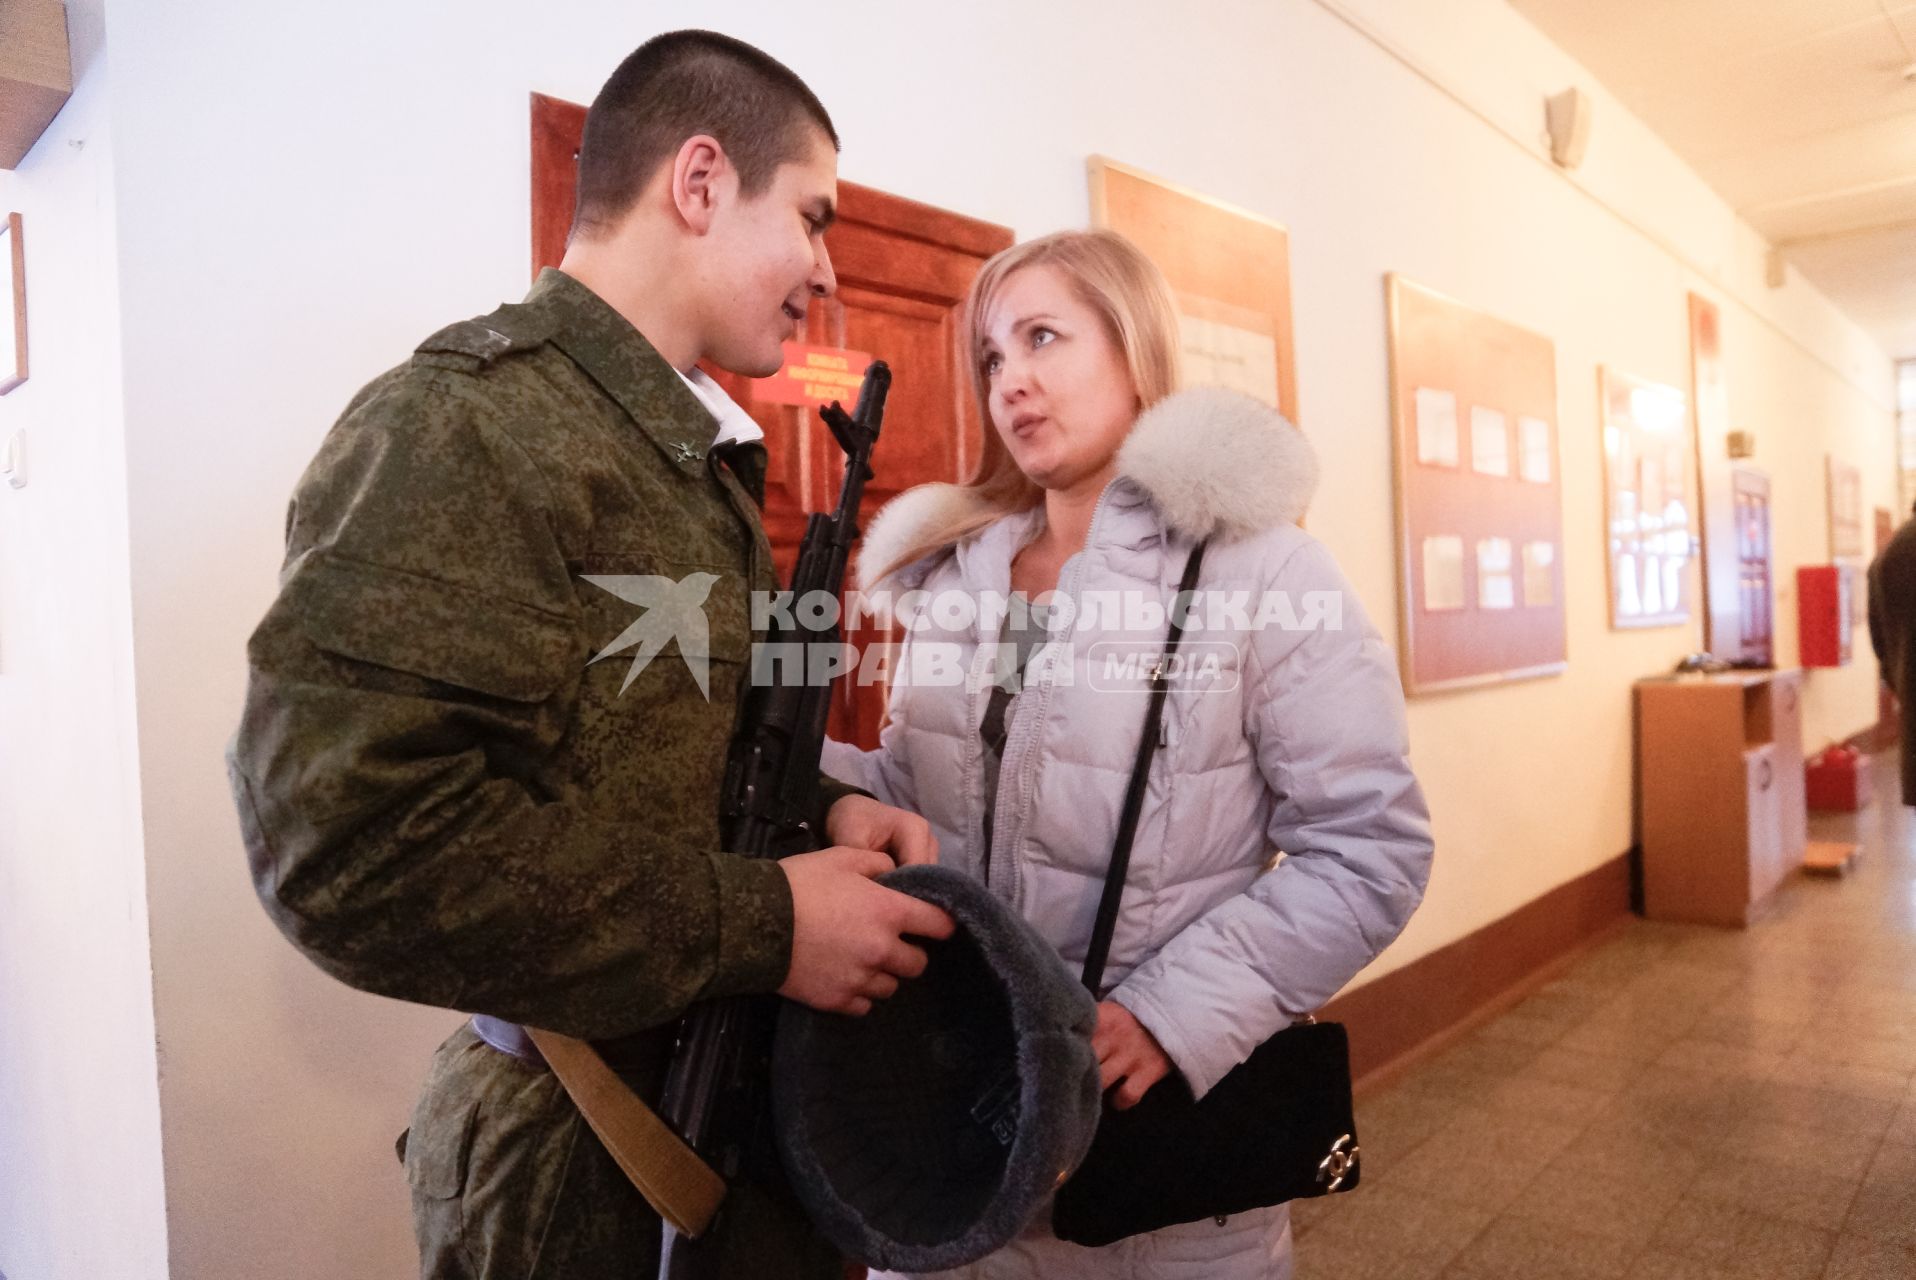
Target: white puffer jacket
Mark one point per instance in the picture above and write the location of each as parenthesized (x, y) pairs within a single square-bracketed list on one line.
[(1284, 731)]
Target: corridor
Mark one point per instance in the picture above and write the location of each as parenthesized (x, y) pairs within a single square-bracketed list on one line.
[(1682, 1103)]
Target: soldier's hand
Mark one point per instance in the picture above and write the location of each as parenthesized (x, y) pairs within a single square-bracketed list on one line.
[(864, 823), (848, 932)]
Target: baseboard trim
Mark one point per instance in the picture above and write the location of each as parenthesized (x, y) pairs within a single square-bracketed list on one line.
[(1414, 1012)]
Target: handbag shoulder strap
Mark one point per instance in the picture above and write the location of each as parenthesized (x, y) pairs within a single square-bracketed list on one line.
[(1140, 775)]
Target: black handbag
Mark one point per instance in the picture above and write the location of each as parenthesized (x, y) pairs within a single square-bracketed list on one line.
[(1279, 1126)]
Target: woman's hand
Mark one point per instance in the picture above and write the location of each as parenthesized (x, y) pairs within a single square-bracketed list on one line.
[(1128, 1055), (864, 823)]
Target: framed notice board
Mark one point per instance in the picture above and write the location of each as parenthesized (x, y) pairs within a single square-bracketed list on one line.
[(1479, 495), (1229, 269)]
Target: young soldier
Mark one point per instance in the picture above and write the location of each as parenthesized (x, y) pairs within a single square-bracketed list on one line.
[(444, 797), (1892, 634)]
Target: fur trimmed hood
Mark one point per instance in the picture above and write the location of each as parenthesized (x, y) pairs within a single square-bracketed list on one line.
[(1213, 463)]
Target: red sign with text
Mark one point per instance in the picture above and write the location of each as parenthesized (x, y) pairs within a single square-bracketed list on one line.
[(814, 376)]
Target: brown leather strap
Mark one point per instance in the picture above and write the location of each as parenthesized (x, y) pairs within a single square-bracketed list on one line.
[(678, 1185)]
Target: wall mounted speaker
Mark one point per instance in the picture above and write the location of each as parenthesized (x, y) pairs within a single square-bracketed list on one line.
[(1567, 118)]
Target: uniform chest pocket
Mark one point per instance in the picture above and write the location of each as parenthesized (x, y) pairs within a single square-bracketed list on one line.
[(428, 627)]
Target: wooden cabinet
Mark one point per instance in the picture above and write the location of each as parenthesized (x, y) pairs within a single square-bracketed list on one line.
[(36, 73), (1720, 774)]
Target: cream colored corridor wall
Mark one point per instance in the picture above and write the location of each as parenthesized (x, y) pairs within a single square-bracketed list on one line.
[(305, 193)]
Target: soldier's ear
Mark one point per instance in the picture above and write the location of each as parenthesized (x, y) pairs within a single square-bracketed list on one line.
[(700, 170)]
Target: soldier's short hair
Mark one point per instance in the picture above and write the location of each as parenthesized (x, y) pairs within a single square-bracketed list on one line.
[(684, 83)]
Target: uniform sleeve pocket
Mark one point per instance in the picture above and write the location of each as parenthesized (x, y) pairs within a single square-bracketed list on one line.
[(428, 627), (439, 1144)]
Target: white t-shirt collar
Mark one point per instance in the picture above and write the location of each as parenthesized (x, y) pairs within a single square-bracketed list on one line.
[(734, 424)]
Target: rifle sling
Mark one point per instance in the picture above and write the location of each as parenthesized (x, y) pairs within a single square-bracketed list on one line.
[(680, 1187)]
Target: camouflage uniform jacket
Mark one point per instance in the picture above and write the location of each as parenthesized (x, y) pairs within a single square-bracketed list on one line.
[(443, 799)]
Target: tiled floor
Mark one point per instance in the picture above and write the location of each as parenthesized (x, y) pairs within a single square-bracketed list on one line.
[(1686, 1103)]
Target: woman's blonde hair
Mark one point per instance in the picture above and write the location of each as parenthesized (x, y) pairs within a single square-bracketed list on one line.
[(1113, 277)]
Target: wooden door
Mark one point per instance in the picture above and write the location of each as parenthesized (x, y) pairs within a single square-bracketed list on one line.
[(903, 269), (1750, 492)]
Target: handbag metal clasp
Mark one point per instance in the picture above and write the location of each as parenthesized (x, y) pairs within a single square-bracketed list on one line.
[(1337, 1166)]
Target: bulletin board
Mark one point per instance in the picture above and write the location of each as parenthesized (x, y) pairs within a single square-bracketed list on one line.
[(1479, 495), (1650, 508), (1229, 270)]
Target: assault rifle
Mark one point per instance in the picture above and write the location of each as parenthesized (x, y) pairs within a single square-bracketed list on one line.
[(715, 1089)]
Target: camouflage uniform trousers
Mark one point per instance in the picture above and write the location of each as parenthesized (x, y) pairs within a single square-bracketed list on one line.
[(510, 1183)]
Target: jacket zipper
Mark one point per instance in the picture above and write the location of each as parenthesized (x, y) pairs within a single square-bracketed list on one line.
[(1030, 722), (972, 784)]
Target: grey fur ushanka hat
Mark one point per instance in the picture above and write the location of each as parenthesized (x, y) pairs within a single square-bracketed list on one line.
[(929, 1132)]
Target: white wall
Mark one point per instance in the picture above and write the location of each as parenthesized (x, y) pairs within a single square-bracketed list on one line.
[(80, 1189), (304, 193), (1424, 141)]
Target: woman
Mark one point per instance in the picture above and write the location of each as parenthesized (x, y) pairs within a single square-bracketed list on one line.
[(1286, 731)]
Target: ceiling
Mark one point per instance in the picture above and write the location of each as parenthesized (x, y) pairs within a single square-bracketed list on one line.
[(1798, 112)]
